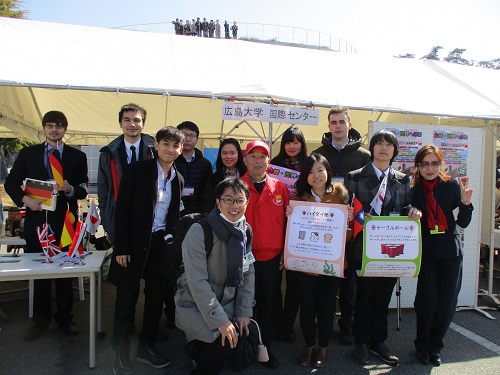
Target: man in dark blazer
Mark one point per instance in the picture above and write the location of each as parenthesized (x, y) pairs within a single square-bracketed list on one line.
[(374, 293), (146, 211), (33, 162), (133, 145)]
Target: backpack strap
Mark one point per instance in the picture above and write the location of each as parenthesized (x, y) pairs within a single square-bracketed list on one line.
[(209, 236)]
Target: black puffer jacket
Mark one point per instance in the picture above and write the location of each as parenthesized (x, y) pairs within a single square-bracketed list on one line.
[(351, 157), (196, 175)]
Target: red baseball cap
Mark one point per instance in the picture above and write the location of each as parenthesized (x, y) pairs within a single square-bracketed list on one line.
[(257, 144)]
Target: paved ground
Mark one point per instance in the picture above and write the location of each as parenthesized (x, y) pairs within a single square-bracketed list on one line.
[(472, 345)]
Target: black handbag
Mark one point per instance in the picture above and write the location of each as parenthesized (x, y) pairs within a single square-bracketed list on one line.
[(249, 349)]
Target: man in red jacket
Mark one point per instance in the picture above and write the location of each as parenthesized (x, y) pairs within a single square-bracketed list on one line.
[(266, 215)]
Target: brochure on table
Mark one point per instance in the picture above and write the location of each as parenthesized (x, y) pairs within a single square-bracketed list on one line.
[(315, 238), (392, 247)]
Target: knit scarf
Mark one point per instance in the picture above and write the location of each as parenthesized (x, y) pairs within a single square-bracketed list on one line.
[(430, 203), (234, 237), (294, 165)]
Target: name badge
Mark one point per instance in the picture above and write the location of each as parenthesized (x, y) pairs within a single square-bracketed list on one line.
[(247, 260), (436, 230), (162, 196), (188, 191)]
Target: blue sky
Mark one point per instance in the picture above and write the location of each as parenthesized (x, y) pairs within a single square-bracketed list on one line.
[(374, 27)]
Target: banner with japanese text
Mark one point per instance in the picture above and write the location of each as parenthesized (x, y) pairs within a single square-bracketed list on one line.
[(288, 176), (392, 247), (315, 238), (270, 113)]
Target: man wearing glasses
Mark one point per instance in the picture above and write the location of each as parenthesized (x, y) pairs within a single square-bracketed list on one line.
[(195, 169), (33, 162), (129, 147)]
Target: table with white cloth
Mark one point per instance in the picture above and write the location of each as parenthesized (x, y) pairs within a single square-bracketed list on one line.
[(30, 267)]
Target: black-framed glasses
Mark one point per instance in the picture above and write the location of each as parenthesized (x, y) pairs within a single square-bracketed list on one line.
[(231, 201), (190, 135), (52, 126), (426, 164)]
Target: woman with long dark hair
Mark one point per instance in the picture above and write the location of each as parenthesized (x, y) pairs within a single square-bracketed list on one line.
[(317, 292), (436, 194), (229, 163), (293, 151)]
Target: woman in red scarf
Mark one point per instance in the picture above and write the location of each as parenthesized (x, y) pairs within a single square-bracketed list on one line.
[(436, 194)]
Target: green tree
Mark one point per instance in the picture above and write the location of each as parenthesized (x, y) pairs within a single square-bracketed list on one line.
[(406, 56), (455, 57), (9, 147), (491, 64), (433, 55), (10, 8)]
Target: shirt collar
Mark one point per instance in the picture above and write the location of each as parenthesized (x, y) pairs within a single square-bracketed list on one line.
[(379, 172), (128, 144)]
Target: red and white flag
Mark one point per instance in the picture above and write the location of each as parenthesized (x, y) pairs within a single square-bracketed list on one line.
[(93, 219), (76, 244)]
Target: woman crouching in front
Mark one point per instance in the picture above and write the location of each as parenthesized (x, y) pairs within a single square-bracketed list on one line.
[(215, 295)]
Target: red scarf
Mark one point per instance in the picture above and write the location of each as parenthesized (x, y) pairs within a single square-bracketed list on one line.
[(430, 203)]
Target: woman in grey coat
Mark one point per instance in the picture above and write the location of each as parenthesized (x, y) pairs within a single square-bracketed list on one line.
[(215, 295)]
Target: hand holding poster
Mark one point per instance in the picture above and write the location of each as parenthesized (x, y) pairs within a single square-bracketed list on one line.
[(392, 247), (315, 238)]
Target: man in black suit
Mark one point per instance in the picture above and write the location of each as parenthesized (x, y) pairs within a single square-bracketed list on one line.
[(146, 211), (129, 147), (33, 162), (374, 293)]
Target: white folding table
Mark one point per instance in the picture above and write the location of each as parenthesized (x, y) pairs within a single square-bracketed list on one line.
[(29, 268)]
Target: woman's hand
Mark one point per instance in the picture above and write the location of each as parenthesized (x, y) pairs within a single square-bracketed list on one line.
[(289, 210), (282, 261), (228, 331), (465, 192), (414, 214), (243, 324), (350, 213)]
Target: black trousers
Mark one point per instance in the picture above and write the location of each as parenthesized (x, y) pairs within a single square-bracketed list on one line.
[(126, 300), (371, 308), (347, 298), (439, 283), (266, 279), (209, 357), (317, 304), (42, 302), (285, 312), (292, 300)]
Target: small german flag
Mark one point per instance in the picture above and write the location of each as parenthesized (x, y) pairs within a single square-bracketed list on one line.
[(43, 191)]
